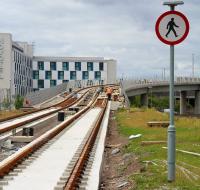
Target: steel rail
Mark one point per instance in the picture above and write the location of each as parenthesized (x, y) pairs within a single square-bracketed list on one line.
[(38, 110), (57, 104), (6, 129), (77, 171), (10, 162)]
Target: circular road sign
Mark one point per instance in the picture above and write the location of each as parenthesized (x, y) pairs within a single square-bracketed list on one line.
[(172, 27)]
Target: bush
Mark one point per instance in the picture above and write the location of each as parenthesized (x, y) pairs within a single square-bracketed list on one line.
[(5, 103), (19, 102)]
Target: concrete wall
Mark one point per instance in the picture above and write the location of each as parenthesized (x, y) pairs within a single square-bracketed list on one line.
[(5, 60), (111, 71)]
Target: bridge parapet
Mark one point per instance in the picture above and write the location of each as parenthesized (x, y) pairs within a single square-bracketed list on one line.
[(127, 84)]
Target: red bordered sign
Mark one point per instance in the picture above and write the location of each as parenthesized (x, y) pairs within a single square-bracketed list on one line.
[(172, 27)]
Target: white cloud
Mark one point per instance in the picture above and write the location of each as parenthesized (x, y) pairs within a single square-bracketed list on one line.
[(123, 30)]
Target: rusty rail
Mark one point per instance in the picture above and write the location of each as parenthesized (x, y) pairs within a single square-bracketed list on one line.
[(6, 129), (77, 171), (10, 162), (37, 110), (34, 111)]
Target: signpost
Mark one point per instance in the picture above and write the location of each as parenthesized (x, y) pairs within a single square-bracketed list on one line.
[(172, 28)]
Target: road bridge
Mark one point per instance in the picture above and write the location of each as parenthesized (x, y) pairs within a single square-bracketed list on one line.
[(183, 86)]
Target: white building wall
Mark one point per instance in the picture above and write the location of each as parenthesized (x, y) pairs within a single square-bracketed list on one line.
[(71, 66), (108, 64), (59, 66), (35, 83), (35, 67), (111, 71), (47, 83), (42, 74), (5, 60), (96, 66), (54, 75), (84, 66), (46, 66), (66, 75)]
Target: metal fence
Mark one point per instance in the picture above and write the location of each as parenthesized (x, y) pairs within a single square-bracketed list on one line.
[(143, 82)]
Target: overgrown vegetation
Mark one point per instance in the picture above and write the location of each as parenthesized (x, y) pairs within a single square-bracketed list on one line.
[(5, 103), (19, 102), (153, 158), (160, 103)]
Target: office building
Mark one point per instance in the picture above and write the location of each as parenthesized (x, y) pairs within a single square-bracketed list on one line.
[(21, 72), (15, 65), (52, 71)]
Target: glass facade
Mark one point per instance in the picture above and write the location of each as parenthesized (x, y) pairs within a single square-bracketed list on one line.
[(35, 74), (65, 81), (60, 74), (90, 66), (52, 83), (48, 75), (52, 66), (65, 66), (101, 66), (85, 75), (40, 65), (97, 75), (72, 75), (40, 83), (78, 66)]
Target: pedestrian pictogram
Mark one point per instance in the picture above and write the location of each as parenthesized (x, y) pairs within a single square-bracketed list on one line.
[(172, 27)]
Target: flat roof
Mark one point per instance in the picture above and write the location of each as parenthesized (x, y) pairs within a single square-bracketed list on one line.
[(60, 59)]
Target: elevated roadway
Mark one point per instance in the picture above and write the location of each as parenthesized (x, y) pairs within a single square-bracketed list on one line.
[(183, 86)]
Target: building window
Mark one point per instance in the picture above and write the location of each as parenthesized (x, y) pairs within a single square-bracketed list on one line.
[(78, 66), (40, 65), (35, 74), (101, 66), (65, 81), (47, 74), (97, 75), (65, 66), (52, 66), (90, 66), (85, 75), (40, 83), (52, 83), (60, 74), (72, 75)]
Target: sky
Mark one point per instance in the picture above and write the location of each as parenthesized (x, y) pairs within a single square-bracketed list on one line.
[(118, 29)]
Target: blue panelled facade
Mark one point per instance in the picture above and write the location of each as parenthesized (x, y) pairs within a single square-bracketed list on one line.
[(51, 71)]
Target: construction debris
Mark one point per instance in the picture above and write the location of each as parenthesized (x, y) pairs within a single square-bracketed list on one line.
[(135, 136), (144, 143), (187, 152)]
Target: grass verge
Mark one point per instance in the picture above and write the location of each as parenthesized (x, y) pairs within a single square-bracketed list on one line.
[(153, 158)]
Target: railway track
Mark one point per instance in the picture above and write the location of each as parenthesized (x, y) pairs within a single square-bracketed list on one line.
[(60, 155), (31, 117)]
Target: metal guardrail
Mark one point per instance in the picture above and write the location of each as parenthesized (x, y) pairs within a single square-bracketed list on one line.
[(142, 83)]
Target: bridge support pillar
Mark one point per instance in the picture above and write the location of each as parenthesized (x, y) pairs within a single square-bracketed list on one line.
[(197, 102), (144, 100), (183, 102)]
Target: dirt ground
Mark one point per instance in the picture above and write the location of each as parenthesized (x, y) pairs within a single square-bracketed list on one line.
[(118, 167)]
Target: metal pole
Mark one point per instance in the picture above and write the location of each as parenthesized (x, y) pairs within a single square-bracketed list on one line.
[(171, 128), (193, 65)]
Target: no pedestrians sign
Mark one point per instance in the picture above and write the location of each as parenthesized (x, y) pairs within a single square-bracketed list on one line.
[(172, 27)]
